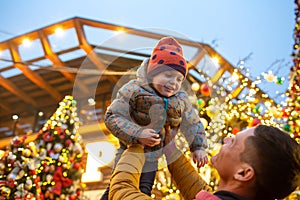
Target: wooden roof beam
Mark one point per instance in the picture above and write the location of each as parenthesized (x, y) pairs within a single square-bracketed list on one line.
[(134, 31), (15, 90), (218, 75), (58, 63), (223, 62), (87, 48), (32, 75), (5, 106), (196, 59)]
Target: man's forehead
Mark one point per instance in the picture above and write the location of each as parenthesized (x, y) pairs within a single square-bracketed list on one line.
[(245, 133)]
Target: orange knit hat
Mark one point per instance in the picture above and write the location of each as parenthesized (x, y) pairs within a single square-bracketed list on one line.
[(165, 55)]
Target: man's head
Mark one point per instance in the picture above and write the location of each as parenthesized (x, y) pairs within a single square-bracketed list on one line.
[(264, 161), (275, 157), (167, 67)]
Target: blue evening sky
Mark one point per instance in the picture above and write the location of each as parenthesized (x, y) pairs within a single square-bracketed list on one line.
[(235, 28)]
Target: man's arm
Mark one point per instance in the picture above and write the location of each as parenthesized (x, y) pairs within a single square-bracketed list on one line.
[(124, 183)]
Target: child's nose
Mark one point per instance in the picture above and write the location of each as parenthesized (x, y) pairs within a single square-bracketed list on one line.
[(173, 80)]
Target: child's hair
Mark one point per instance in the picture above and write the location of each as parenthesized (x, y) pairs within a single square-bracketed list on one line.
[(165, 55)]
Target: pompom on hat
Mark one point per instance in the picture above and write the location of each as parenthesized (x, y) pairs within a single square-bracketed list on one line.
[(165, 55)]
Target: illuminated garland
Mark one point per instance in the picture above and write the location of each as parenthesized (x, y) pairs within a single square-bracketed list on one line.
[(293, 103)]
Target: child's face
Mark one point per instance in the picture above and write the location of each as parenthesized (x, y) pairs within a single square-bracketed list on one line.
[(168, 82)]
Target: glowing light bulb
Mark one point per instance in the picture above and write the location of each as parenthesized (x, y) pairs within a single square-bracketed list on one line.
[(59, 31), (40, 113), (235, 76), (91, 102), (215, 60), (195, 86), (15, 117), (26, 42), (120, 30)]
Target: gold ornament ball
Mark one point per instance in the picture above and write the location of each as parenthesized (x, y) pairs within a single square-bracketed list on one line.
[(195, 87), (212, 111), (28, 184), (2, 166), (26, 152), (5, 191)]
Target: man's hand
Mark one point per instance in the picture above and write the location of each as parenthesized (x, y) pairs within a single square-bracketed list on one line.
[(149, 137), (200, 158)]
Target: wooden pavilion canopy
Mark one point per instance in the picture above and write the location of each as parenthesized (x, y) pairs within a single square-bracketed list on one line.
[(33, 81)]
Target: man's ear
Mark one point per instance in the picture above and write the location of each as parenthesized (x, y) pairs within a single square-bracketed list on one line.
[(244, 173)]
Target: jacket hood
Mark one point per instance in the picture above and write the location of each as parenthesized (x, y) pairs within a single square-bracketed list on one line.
[(141, 72)]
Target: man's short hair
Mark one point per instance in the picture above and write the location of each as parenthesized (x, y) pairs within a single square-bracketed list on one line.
[(275, 157)]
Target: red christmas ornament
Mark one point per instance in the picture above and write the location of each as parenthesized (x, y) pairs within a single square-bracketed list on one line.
[(17, 142), (66, 182), (205, 89), (32, 172), (57, 129), (11, 183), (62, 134), (72, 197), (56, 189), (76, 166), (254, 122), (51, 152), (235, 130), (78, 192), (284, 113), (37, 180), (11, 162), (47, 137), (68, 142)]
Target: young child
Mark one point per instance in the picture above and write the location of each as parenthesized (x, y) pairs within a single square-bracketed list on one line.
[(145, 107)]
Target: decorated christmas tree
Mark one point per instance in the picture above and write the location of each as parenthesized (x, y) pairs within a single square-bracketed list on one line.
[(61, 153), (49, 167), (18, 175)]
